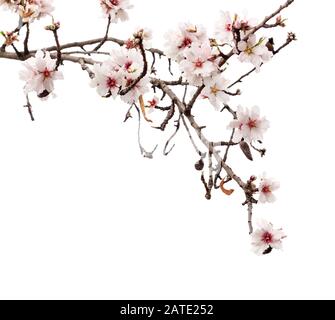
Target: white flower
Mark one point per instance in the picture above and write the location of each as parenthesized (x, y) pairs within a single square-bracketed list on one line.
[(35, 9), (152, 104), (198, 64), (129, 63), (145, 34), (116, 9), (224, 28), (106, 80), (215, 91), (140, 89), (249, 125), (267, 238), (179, 40), (10, 4), (253, 51), (266, 189), (40, 74)]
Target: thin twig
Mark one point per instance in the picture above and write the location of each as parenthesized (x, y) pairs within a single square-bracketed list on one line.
[(103, 41)]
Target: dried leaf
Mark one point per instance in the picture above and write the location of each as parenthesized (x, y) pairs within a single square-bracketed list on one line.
[(246, 150), (142, 105), (224, 190)]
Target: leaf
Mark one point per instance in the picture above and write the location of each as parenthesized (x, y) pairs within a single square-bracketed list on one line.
[(141, 100), (246, 150), (224, 190)]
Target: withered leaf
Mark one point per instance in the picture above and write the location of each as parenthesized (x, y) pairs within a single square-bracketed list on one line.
[(224, 190), (246, 150)]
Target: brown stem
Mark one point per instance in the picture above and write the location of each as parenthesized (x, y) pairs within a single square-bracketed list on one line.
[(103, 41)]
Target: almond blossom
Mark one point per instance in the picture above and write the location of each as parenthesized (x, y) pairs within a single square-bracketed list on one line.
[(198, 64), (254, 51), (152, 104), (106, 80), (249, 125), (116, 9), (266, 189), (267, 238), (128, 62), (214, 91), (182, 39), (140, 89), (40, 73), (29, 10), (224, 28), (10, 4)]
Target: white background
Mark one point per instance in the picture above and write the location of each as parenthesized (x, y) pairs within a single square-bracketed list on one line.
[(84, 216)]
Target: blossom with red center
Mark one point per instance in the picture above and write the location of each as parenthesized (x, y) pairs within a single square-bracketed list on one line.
[(116, 9), (187, 42), (249, 125), (40, 74), (224, 28), (178, 41), (266, 238), (106, 80), (152, 104), (198, 64), (267, 188)]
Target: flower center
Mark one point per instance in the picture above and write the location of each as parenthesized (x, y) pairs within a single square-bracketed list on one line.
[(128, 65), (267, 237), (46, 73), (215, 90), (249, 51), (266, 189), (252, 124), (198, 64), (111, 83), (186, 43), (229, 27), (129, 82), (115, 2), (152, 103)]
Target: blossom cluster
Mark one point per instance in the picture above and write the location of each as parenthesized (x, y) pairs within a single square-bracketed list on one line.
[(119, 72), (29, 10), (201, 60)]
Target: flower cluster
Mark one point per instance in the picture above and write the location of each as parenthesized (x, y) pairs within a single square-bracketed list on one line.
[(116, 9), (202, 62), (119, 72), (29, 10), (40, 73)]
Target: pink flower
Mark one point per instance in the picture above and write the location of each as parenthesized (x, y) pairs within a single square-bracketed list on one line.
[(116, 9), (254, 51), (106, 80), (214, 91), (266, 189), (152, 104), (224, 28), (198, 64), (249, 125), (40, 73), (182, 39), (266, 238)]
